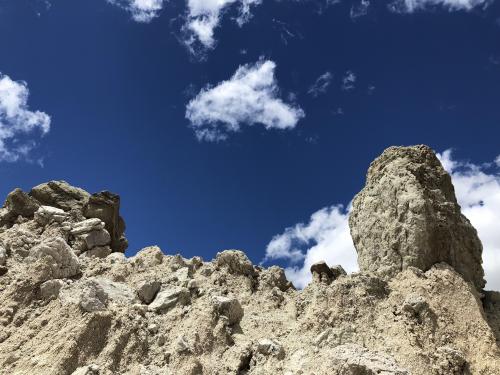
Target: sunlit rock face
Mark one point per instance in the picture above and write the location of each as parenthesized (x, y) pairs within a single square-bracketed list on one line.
[(407, 215)]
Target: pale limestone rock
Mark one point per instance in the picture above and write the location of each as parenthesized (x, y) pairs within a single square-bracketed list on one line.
[(98, 252), (235, 261), (408, 215), (50, 288), (269, 347), (96, 238), (169, 298), (87, 370), (60, 194), (228, 307), (47, 214), (148, 257), (147, 290), (19, 203), (58, 258), (3, 256), (87, 226)]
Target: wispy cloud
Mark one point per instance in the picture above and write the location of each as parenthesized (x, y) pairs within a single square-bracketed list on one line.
[(19, 127), (410, 6), (360, 9), (204, 16), (321, 84), (348, 81), (326, 236), (141, 10), (249, 97)]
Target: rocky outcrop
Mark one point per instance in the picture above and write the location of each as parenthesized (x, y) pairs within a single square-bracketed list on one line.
[(407, 215), (70, 306)]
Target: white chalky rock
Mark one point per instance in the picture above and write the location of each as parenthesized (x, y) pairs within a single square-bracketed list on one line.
[(59, 258), (3, 256), (87, 226), (167, 299), (47, 214), (228, 307), (96, 238), (50, 288)]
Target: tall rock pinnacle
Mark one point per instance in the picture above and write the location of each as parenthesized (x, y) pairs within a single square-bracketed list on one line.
[(408, 215)]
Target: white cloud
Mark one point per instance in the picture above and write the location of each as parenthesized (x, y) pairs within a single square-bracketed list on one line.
[(348, 81), (326, 236), (410, 6), (249, 97), (478, 192), (204, 16), (141, 10), (18, 124), (360, 10), (321, 84)]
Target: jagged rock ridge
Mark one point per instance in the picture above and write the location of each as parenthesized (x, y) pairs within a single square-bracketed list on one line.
[(72, 303)]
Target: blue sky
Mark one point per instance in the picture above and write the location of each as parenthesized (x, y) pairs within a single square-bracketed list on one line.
[(225, 139)]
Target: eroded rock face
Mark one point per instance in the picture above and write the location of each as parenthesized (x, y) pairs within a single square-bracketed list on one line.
[(68, 306), (408, 215)]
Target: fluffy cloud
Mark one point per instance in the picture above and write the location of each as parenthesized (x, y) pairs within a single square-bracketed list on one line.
[(141, 10), (18, 125), (410, 6), (249, 97), (326, 236), (204, 16), (321, 85)]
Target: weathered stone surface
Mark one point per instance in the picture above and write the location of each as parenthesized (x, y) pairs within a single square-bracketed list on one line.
[(147, 290), (96, 238), (98, 252), (58, 259), (148, 257), (106, 206), (3, 256), (50, 288), (60, 194), (352, 359), (167, 299), (47, 214), (408, 215), (87, 370), (228, 307), (236, 262), (87, 226), (20, 203)]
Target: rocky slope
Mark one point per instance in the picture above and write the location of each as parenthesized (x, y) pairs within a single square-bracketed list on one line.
[(72, 303)]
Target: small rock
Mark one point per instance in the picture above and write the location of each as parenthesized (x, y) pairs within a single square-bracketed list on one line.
[(147, 290), (96, 238), (167, 299), (148, 257), (229, 307), (3, 256), (47, 214), (50, 289), (153, 328), (270, 347), (87, 226), (116, 258), (338, 271), (181, 345), (321, 272), (415, 304)]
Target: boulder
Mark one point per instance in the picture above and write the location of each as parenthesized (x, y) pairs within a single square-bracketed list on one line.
[(169, 298), (407, 215), (19, 203), (147, 290), (96, 238), (228, 307), (87, 226), (98, 252), (235, 261), (106, 206), (50, 288), (57, 257), (60, 194)]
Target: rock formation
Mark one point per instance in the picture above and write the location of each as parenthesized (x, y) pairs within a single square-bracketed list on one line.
[(71, 303), (408, 215)]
